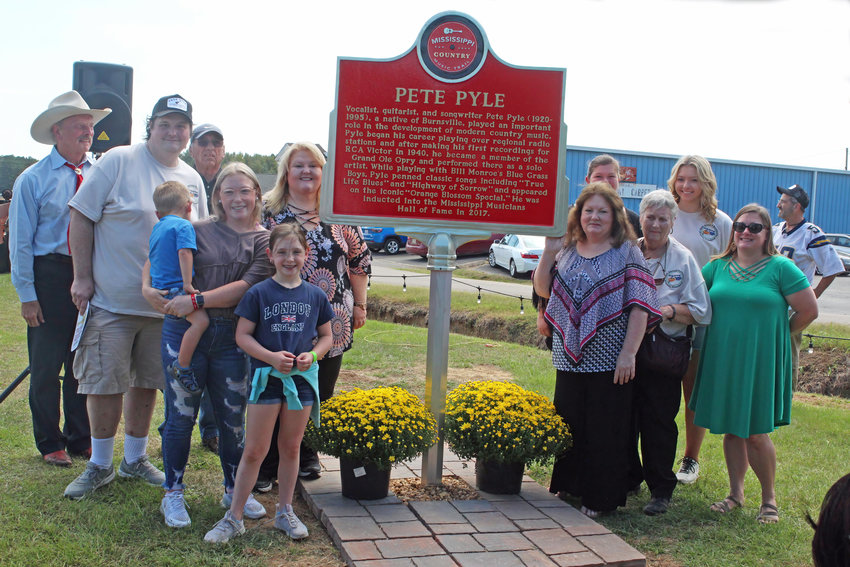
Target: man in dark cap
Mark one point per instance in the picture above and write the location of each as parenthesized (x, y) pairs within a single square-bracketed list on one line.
[(804, 243), (207, 151), (118, 363)]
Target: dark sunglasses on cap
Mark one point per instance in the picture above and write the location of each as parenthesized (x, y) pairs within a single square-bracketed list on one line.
[(755, 227), (207, 142)]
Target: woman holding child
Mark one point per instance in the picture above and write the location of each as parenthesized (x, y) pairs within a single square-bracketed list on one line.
[(231, 257)]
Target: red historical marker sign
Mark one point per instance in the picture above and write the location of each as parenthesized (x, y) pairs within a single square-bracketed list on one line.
[(448, 136)]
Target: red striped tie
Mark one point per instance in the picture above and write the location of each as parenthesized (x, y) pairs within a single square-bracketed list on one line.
[(79, 173)]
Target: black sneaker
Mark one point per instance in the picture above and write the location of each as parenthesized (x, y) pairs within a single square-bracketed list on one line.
[(186, 377), (263, 484), (656, 506), (310, 468)]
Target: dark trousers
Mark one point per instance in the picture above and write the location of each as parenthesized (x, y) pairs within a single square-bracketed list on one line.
[(49, 347), (328, 374), (656, 404), (599, 414)]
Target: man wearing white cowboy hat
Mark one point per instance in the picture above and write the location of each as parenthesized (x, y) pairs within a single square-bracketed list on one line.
[(111, 220), (42, 272)]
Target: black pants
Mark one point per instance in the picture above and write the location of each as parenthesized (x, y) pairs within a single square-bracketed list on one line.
[(655, 406), (49, 347), (599, 415), (328, 374)]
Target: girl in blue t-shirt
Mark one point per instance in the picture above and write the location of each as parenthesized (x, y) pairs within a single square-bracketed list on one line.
[(285, 327)]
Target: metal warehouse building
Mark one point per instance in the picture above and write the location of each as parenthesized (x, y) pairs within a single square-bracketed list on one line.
[(738, 183)]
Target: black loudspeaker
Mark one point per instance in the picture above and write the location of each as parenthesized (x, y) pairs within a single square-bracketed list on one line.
[(106, 85)]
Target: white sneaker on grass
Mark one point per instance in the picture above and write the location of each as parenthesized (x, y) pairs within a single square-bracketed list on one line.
[(225, 529), (688, 472), (173, 508), (288, 523), (252, 509)]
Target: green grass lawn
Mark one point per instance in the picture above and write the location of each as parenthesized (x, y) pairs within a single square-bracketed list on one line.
[(121, 524)]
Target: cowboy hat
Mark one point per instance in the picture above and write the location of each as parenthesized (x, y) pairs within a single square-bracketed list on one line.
[(60, 108)]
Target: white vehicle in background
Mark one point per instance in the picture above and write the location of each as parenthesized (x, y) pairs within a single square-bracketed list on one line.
[(516, 253), (841, 242)]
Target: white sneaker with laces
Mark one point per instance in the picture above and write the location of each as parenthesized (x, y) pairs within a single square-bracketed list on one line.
[(288, 523), (688, 472), (173, 508), (252, 509), (225, 529)]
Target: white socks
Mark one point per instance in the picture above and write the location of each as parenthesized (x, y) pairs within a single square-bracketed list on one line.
[(101, 452), (135, 448)]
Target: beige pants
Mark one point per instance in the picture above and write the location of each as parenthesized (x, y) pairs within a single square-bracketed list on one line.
[(796, 342)]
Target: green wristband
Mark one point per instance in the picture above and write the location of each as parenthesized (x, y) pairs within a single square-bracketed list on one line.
[(315, 356)]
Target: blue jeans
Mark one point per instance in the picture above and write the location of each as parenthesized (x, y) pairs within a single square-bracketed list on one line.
[(222, 369)]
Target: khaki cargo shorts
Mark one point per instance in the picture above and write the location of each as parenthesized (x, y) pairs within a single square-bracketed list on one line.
[(117, 352)]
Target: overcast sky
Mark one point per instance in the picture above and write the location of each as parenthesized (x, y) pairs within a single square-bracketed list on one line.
[(756, 80)]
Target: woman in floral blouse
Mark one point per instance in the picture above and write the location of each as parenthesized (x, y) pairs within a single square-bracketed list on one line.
[(338, 262)]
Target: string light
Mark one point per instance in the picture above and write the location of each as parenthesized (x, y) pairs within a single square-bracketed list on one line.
[(811, 346), (521, 308), (369, 282), (403, 282), (479, 294)]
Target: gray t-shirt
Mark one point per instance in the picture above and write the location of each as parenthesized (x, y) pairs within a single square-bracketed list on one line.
[(117, 195), (704, 239), (225, 256)]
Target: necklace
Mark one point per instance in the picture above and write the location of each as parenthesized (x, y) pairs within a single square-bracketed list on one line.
[(658, 263), (742, 274)]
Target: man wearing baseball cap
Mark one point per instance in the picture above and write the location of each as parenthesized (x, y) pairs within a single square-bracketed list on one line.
[(42, 272), (207, 151), (805, 244), (118, 363)]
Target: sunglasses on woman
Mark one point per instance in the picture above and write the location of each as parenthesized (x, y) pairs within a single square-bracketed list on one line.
[(755, 227)]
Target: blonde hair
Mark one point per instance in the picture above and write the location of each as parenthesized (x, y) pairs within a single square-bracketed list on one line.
[(707, 182), (236, 168), (621, 229), (278, 197), (768, 248), (171, 197)]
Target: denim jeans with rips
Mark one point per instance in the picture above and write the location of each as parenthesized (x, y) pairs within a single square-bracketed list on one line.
[(220, 367)]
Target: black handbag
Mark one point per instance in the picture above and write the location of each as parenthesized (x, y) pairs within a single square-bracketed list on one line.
[(661, 353)]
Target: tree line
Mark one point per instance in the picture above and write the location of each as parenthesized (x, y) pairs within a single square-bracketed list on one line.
[(12, 166)]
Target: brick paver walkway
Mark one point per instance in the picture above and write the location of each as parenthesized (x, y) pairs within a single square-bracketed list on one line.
[(533, 528)]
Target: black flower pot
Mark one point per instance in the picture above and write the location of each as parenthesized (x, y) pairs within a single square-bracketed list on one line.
[(497, 477), (363, 481)]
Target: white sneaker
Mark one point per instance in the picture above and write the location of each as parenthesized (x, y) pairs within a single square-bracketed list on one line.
[(225, 529), (252, 509), (173, 508), (688, 472), (289, 524)]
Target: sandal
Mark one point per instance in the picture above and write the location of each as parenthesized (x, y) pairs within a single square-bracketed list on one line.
[(768, 514), (726, 505)]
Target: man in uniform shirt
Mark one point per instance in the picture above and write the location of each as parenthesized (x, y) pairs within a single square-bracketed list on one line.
[(42, 272), (805, 244)]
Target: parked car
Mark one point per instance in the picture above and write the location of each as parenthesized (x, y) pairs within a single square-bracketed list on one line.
[(471, 248), (378, 237), (841, 242), (516, 253)]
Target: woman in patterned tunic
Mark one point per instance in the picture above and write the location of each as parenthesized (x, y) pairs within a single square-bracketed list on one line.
[(602, 300), (338, 262)]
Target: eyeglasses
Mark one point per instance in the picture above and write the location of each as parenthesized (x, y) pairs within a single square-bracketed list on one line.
[(754, 227), (207, 142)]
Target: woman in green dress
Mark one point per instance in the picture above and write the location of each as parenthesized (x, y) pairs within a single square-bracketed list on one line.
[(743, 388)]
